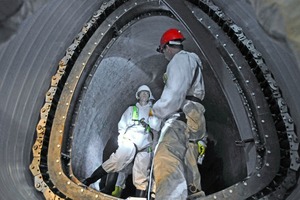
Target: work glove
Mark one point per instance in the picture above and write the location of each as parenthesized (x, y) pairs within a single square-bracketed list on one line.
[(201, 150)]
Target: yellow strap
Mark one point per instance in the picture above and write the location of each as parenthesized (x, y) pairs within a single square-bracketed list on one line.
[(135, 113)]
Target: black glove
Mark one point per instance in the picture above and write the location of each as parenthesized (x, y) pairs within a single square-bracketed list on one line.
[(142, 121)]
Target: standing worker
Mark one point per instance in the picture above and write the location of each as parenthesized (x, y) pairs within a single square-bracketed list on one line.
[(134, 143), (183, 137)]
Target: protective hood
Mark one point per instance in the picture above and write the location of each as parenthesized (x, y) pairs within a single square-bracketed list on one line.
[(144, 88)]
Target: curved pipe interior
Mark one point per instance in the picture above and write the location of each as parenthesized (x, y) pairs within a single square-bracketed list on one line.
[(130, 62)]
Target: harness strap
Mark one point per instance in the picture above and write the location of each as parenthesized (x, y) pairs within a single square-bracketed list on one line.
[(135, 113), (136, 151), (145, 149), (192, 98), (195, 75), (135, 118)]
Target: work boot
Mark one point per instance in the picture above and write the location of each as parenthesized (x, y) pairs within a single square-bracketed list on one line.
[(140, 193), (102, 182), (110, 182), (117, 192), (196, 195), (97, 174)]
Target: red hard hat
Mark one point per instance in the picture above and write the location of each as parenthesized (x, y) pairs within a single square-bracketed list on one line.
[(170, 35)]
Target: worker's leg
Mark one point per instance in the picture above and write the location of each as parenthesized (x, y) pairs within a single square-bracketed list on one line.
[(169, 168), (140, 172), (116, 162)]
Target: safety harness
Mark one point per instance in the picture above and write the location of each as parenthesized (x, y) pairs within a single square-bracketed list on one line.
[(137, 121), (135, 118), (182, 116), (199, 141)]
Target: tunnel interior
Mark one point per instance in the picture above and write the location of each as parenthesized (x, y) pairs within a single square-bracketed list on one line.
[(115, 53), (52, 113), (131, 61)]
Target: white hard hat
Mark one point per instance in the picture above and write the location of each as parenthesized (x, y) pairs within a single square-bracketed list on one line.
[(144, 88)]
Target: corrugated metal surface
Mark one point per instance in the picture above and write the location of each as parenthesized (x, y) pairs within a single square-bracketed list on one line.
[(27, 62)]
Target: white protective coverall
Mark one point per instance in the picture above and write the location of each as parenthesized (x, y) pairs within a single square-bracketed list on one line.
[(175, 159), (134, 135), (122, 176)]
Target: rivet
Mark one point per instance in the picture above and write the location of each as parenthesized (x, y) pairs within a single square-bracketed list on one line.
[(258, 175), (230, 191), (68, 182), (262, 121)]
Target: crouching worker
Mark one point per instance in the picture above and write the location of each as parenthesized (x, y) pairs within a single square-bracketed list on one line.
[(134, 143)]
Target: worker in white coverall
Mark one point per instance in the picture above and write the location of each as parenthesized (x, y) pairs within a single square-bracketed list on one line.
[(183, 136), (122, 175), (134, 143)]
